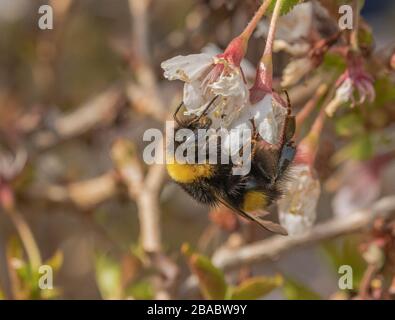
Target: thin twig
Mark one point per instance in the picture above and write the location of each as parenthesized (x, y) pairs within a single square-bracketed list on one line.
[(146, 193), (271, 248), (26, 237), (149, 209), (354, 32), (310, 105), (101, 109), (366, 281)]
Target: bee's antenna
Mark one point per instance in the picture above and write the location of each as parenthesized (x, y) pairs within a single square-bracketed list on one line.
[(175, 113)]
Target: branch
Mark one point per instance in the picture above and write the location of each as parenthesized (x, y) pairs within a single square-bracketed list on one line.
[(101, 109), (146, 193), (143, 188), (144, 94), (146, 100), (270, 248), (89, 193), (149, 209)]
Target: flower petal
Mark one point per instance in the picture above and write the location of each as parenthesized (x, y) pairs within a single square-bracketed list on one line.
[(193, 97), (231, 84), (186, 68), (345, 91), (264, 116), (297, 209)]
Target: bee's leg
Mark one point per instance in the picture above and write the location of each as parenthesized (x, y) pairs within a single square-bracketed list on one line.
[(206, 109), (286, 147), (176, 112), (254, 137), (275, 158), (288, 129), (255, 132)]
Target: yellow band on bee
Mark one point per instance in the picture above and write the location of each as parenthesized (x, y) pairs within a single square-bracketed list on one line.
[(254, 200), (188, 173)]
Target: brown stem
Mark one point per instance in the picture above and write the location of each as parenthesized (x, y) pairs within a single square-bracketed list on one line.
[(272, 29), (309, 106), (354, 32), (246, 34), (138, 10), (366, 281), (264, 77), (308, 147)]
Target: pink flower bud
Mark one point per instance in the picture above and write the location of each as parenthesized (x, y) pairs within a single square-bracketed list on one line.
[(354, 83)]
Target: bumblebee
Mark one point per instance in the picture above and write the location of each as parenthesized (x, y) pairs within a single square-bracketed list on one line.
[(248, 195), (202, 181), (251, 194)]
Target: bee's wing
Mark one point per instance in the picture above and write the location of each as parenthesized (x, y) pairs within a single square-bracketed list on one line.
[(266, 224), (269, 225)]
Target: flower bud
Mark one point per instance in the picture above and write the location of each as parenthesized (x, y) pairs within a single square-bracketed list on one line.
[(354, 83)]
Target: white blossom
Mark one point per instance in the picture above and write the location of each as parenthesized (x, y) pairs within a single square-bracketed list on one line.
[(205, 77), (297, 209), (268, 117), (186, 68), (355, 81)]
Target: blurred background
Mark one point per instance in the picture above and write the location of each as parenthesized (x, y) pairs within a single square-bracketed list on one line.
[(74, 104)]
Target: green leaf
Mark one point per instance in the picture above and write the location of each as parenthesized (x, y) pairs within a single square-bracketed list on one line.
[(294, 290), (211, 279), (141, 290), (56, 261), (361, 148), (286, 7), (344, 251), (2, 295), (108, 277), (349, 125), (14, 248), (257, 287), (25, 278), (334, 62), (385, 92), (365, 37)]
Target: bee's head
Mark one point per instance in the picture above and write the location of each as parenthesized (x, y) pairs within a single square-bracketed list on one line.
[(201, 121)]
